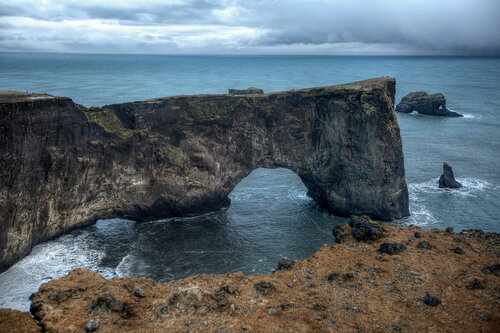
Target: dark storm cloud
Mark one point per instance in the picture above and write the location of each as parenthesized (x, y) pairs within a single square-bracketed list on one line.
[(271, 26)]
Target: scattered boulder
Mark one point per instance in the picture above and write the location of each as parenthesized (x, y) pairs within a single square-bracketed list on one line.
[(475, 284), (417, 234), (424, 103), (264, 288), (449, 230), (492, 269), (140, 293), (447, 179), (391, 248), (285, 264), (248, 91), (361, 228), (91, 326), (431, 300), (107, 302), (424, 245), (459, 250)]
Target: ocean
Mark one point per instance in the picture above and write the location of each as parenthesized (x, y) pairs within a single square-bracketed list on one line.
[(270, 217)]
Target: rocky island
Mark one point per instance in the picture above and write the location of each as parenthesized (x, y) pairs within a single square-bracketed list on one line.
[(64, 166), (421, 102), (377, 278)]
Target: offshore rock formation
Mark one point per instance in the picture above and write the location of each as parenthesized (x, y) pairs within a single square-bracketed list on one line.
[(64, 166), (434, 105), (447, 179), (347, 287)]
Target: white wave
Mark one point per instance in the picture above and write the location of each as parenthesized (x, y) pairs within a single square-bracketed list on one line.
[(123, 267), (470, 116), (298, 194), (47, 261), (470, 187), (420, 215)]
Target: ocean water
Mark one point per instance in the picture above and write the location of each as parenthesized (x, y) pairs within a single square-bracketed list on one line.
[(270, 216)]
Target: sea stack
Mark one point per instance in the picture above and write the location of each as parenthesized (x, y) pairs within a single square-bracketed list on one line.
[(447, 179), (420, 101)]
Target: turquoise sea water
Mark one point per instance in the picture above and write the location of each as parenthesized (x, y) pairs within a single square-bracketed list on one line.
[(270, 216)]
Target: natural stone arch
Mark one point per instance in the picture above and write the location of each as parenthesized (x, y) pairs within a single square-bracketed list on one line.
[(183, 155)]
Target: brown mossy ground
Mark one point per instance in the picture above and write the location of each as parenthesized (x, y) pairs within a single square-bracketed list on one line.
[(345, 287)]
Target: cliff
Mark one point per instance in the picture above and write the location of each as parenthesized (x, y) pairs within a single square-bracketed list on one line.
[(439, 281), (64, 166)]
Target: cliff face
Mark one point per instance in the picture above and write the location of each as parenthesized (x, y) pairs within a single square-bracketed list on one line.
[(64, 166)]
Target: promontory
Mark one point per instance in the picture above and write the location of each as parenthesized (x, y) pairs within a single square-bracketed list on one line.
[(63, 165)]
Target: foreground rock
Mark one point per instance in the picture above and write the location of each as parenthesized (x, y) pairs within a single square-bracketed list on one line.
[(63, 166), (434, 105), (447, 179), (347, 287)]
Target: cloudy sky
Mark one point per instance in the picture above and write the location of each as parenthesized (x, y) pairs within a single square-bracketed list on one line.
[(252, 27)]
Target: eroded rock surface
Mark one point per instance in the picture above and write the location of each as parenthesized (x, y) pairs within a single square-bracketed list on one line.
[(420, 101), (347, 287), (64, 166)]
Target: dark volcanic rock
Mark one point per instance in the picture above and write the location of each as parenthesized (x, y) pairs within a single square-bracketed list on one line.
[(364, 230), (447, 179), (285, 264), (424, 245), (64, 166), (248, 91), (431, 300), (391, 248), (424, 103)]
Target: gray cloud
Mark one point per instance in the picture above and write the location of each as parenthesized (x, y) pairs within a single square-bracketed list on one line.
[(234, 26)]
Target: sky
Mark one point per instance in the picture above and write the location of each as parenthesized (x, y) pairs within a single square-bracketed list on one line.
[(323, 27)]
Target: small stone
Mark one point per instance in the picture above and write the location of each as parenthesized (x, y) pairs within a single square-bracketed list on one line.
[(310, 272), (449, 230), (272, 312), (140, 293), (417, 234), (475, 284), (289, 284), (431, 300), (424, 245), (459, 250), (91, 326), (308, 277), (332, 276), (388, 283)]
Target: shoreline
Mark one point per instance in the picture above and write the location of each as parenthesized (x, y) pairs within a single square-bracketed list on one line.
[(341, 287)]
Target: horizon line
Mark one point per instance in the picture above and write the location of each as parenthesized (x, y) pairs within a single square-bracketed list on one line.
[(257, 54)]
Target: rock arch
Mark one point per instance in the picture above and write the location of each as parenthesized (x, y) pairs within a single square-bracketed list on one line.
[(64, 165)]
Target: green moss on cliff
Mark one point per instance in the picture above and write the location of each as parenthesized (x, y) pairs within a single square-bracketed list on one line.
[(110, 122), (174, 154)]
